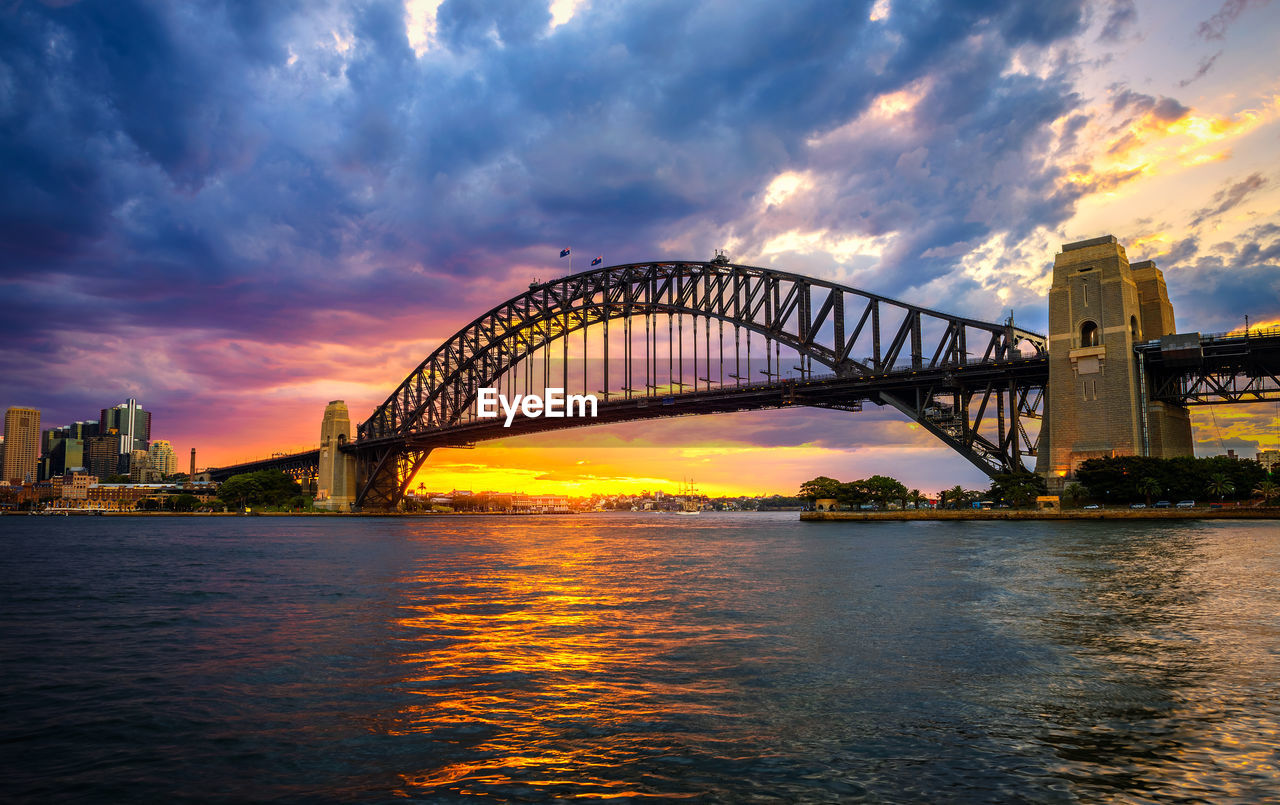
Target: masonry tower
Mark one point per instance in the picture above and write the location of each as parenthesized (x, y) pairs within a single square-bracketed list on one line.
[(1100, 305), (336, 481)]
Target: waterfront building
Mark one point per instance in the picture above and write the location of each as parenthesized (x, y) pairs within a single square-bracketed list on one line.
[(75, 485), (22, 444), (161, 458), (127, 497), (540, 504)]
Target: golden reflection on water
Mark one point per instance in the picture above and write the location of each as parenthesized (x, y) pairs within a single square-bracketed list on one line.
[(577, 661), (537, 664)]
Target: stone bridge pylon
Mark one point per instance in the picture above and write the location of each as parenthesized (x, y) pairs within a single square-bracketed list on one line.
[(1100, 306)]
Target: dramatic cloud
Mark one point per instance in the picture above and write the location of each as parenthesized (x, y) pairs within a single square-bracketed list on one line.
[(212, 205)]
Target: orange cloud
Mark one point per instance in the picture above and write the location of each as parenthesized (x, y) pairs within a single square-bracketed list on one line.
[(1165, 137)]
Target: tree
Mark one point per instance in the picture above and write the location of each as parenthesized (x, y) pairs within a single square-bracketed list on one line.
[(1268, 490), (1017, 488), (884, 490), (1075, 492), (1220, 485), (262, 488), (852, 494), (957, 498), (820, 487), (184, 502), (1149, 487), (241, 491), (915, 497), (779, 502)]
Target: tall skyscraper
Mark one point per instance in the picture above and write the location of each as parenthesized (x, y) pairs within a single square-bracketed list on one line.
[(102, 454), (62, 451), (134, 426), (161, 458), (22, 444)]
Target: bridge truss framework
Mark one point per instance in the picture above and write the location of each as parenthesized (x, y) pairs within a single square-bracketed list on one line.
[(854, 345)]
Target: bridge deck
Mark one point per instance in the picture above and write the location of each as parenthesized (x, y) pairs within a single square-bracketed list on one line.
[(825, 391), (1214, 368), (828, 391)]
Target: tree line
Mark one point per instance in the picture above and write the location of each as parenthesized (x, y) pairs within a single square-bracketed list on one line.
[(1015, 489), (878, 490), (1134, 479), (265, 488)]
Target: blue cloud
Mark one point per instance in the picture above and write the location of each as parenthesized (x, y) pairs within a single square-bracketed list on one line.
[(246, 167)]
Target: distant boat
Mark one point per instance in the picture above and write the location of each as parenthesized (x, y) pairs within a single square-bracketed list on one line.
[(689, 505)]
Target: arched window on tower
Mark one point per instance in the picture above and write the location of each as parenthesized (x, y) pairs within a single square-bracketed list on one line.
[(1133, 328), (1089, 334)]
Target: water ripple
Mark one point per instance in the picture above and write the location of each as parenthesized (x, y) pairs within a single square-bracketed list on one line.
[(638, 657)]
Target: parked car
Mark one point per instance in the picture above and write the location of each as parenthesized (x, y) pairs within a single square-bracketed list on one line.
[(1093, 506), (1137, 505), (1163, 504), (1186, 504)]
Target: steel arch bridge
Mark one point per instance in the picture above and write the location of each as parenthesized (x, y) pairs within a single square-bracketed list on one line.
[(973, 384)]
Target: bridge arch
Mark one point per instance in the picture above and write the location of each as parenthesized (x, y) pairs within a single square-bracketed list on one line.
[(853, 333)]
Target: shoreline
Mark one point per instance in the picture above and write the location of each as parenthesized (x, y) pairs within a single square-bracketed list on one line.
[(91, 513), (1272, 513)]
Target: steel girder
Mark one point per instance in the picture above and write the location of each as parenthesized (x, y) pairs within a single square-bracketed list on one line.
[(850, 331), (386, 472), (302, 467), (994, 423), (1206, 387), (1237, 368)]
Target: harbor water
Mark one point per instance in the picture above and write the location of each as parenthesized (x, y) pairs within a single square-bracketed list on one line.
[(637, 657)]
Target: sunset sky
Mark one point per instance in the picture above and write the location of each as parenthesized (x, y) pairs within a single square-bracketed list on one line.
[(238, 211)]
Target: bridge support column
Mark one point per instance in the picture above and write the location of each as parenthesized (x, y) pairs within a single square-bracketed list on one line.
[(336, 484), (1097, 404)]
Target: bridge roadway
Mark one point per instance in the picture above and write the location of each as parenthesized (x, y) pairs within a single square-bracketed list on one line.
[(1198, 370), (1187, 369), (824, 391), (917, 387)]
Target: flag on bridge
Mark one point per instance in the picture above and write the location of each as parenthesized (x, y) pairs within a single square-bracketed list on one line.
[(598, 260), (565, 251)]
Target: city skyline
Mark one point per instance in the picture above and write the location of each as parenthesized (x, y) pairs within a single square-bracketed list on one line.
[(299, 207)]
